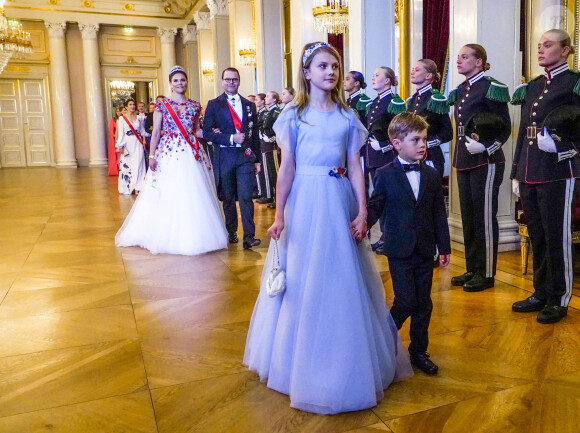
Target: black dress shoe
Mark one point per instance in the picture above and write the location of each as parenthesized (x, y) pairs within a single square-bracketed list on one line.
[(251, 242), (460, 280), (528, 305), (552, 314), (264, 200), (378, 244), (478, 283), (422, 361), (233, 238)]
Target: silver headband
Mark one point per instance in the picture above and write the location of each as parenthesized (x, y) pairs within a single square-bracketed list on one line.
[(308, 52)]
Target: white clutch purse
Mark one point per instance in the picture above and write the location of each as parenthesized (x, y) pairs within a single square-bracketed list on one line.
[(276, 283)]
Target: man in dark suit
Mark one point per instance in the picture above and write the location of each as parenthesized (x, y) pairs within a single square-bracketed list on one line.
[(409, 196), (231, 124)]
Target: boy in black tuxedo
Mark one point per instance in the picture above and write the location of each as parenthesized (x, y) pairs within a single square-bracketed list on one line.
[(409, 195)]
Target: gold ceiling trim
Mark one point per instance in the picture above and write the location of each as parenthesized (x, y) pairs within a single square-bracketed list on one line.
[(92, 12)]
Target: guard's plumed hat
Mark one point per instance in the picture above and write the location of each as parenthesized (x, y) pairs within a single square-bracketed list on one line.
[(486, 126), (564, 121)]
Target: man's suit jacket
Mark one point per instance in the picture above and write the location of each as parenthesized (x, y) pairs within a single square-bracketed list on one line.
[(411, 225), (217, 115)]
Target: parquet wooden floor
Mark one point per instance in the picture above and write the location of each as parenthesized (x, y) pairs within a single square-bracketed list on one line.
[(98, 339)]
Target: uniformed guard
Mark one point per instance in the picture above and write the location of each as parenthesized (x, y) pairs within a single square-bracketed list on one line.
[(378, 150), (480, 166), (432, 105), (260, 181), (546, 165), (269, 149), (354, 84)]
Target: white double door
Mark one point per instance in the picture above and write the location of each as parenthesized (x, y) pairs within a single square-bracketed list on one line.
[(25, 133)]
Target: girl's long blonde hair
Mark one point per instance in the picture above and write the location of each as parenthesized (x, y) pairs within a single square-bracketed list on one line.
[(302, 98)]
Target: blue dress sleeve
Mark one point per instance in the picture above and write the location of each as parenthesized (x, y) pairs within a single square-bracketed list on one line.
[(357, 134), (286, 129)]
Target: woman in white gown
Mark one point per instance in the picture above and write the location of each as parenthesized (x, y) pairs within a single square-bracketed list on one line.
[(177, 211), (130, 143)]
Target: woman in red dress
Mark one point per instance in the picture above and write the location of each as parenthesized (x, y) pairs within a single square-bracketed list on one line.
[(113, 155)]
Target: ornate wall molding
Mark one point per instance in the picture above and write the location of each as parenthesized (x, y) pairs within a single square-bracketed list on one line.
[(167, 34), (202, 20), (189, 34), (218, 8), (55, 29), (89, 31)]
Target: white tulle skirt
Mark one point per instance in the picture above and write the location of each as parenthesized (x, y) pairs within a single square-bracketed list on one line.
[(329, 341), (177, 211)]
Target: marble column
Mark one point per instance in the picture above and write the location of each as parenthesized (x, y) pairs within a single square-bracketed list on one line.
[(207, 89), (269, 45), (167, 37), (95, 96), (191, 60), (220, 31), (470, 22), (241, 17), (367, 19), (303, 30), (64, 147), (141, 92)]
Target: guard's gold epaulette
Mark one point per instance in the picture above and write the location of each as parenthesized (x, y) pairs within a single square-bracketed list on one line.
[(452, 97), (397, 105), (520, 94), (497, 92), (363, 102), (438, 103)]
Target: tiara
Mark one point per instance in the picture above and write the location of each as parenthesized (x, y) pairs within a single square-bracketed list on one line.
[(308, 52), (176, 69)]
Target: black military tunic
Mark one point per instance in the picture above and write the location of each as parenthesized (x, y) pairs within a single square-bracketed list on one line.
[(430, 104), (479, 176), (548, 188), (269, 152), (378, 120)]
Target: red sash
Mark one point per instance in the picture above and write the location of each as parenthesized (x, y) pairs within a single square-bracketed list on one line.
[(194, 145), (235, 118), (134, 132)]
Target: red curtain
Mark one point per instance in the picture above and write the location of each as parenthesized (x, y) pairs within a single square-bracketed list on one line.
[(436, 31), (337, 41)]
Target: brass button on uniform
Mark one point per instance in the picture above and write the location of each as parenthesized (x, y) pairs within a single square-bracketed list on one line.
[(531, 142)]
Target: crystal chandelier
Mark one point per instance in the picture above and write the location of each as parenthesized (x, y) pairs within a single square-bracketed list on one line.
[(207, 69), (248, 52), (121, 91), (14, 42), (330, 16)]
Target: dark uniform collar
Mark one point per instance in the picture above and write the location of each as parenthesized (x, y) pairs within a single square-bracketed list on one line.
[(551, 73), (476, 78), (424, 89), (385, 94), (355, 94), (271, 107), (262, 109)]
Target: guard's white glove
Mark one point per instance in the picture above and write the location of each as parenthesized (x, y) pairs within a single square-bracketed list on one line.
[(473, 147), (545, 142), (374, 144), (516, 187)]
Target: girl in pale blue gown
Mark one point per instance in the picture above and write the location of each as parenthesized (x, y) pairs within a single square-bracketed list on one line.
[(328, 341)]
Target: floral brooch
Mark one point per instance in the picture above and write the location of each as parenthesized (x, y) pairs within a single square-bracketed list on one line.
[(337, 172)]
